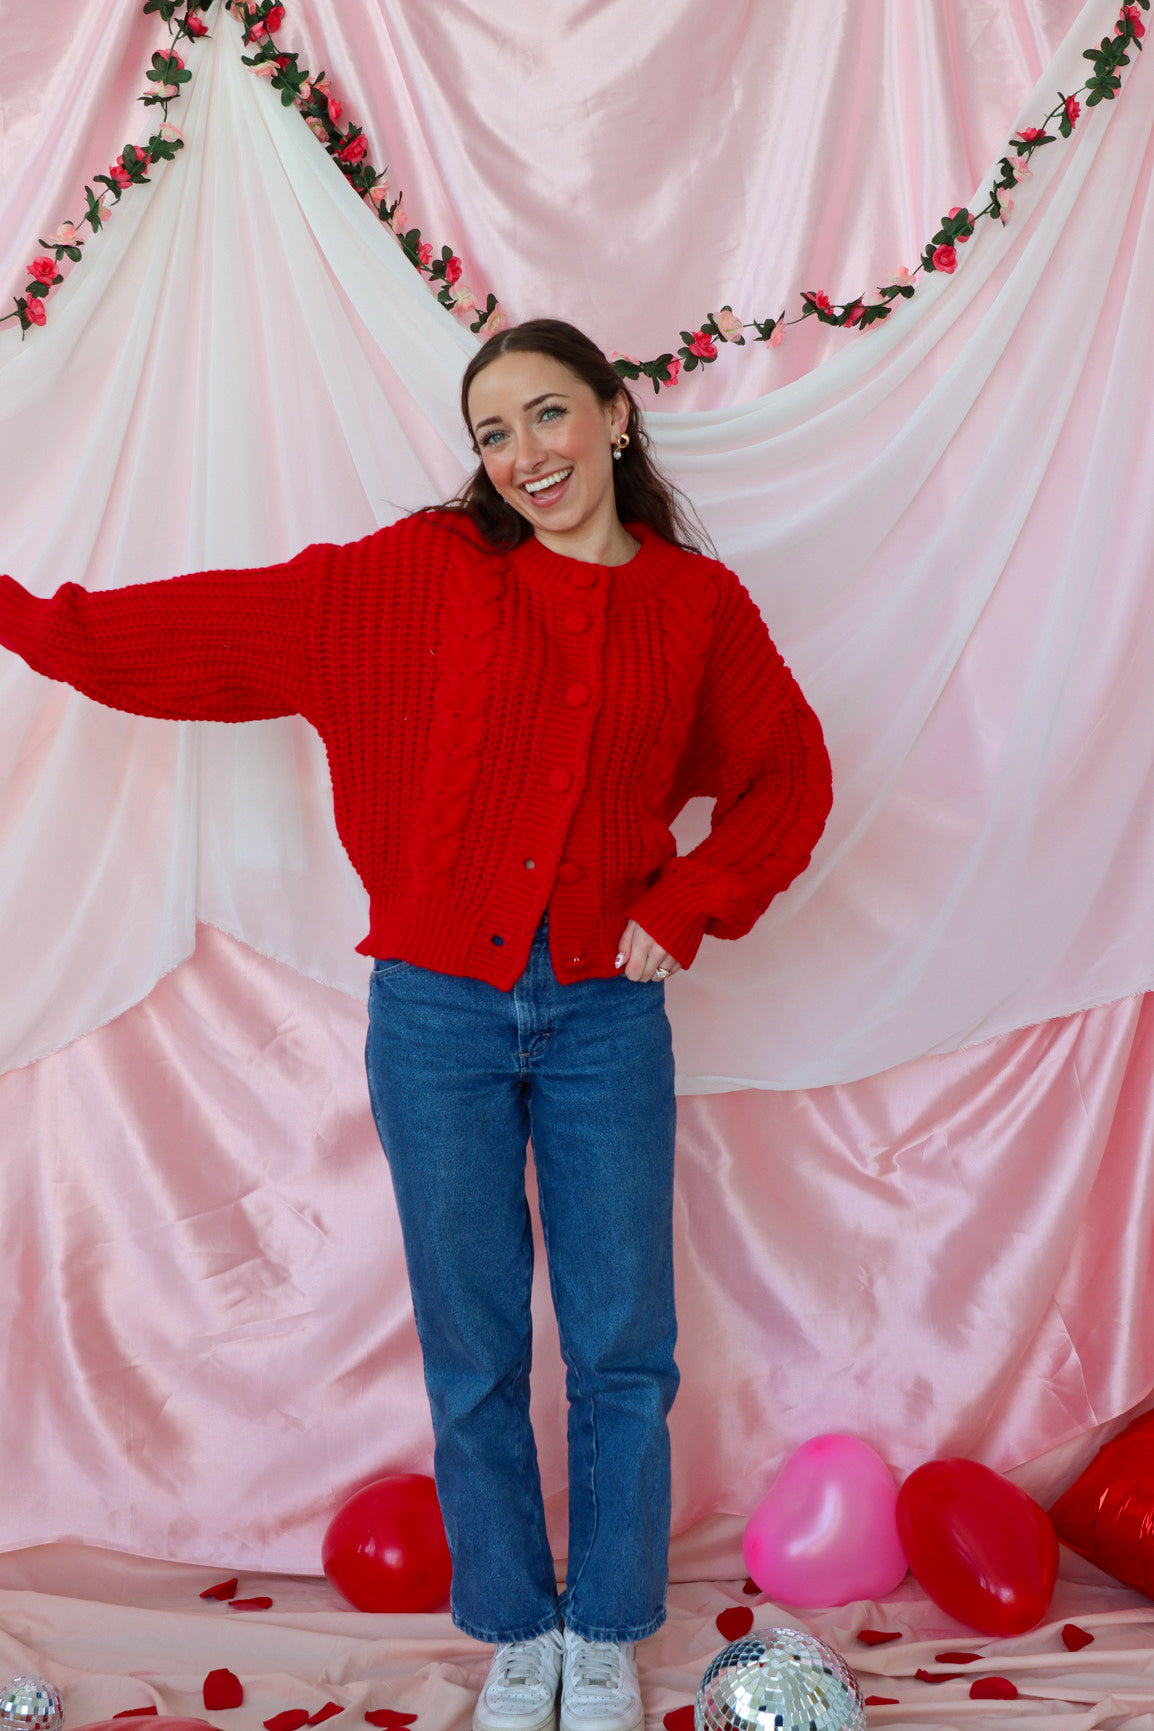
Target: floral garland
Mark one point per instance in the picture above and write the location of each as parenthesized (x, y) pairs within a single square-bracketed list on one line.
[(323, 111), (699, 347), (168, 74)]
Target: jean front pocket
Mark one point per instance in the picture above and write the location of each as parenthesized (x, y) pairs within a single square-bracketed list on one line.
[(383, 966)]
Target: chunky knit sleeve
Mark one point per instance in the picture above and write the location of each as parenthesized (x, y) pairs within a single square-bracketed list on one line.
[(218, 646), (756, 748)]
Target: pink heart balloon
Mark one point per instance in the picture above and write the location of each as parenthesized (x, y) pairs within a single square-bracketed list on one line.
[(827, 1530)]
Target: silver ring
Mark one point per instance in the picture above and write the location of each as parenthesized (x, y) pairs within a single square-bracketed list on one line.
[(661, 973)]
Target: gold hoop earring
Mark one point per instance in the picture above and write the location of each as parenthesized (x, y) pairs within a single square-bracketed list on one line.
[(619, 445)]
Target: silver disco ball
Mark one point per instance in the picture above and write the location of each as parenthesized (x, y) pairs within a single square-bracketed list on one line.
[(31, 1704), (779, 1680)]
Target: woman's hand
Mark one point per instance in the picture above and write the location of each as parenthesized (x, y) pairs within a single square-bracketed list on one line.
[(642, 958)]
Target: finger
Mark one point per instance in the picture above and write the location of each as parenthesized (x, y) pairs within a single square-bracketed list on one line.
[(625, 944)]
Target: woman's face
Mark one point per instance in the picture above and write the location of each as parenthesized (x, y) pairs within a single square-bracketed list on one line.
[(546, 441)]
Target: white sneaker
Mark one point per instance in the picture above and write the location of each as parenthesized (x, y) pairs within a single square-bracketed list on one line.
[(520, 1692), (599, 1686)]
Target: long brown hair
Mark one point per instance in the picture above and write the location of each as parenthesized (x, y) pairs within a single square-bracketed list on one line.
[(643, 495)]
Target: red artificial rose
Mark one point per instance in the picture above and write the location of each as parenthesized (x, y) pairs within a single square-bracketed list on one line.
[(945, 258), (336, 108), (452, 269), (275, 18), (425, 253), (118, 173), (855, 314), (821, 301), (674, 370), (34, 307), (1073, 110), (354, 150), (1029, 133), (1135, 18), (43, 269), (703, 345), (195, 25)]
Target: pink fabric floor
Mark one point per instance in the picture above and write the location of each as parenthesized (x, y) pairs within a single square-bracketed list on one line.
[(115, 1632)]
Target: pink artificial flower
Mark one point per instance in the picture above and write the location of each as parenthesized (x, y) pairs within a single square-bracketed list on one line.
[(495, 322), (195, 25), (173, 56), (464, 300), (275, 18), (704, 346), (618, 356), (305, 91), (169, 131), (945, 258), (674, 370), (1005, 204), (168, 91), (65, 235), (1073, 110), (400, 219), (119, 174), (36, 310), (318, 128), (256, 30), (425, 253), (729, 325), (355, 150), (265, 69), (377, 194), (43, 269), (856, 313), (1022, 170), (336, 107), (452, 269), (777, 335), (1029, 133), (901, 278), (957, 211)]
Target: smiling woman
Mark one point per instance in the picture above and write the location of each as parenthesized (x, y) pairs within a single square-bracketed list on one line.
[(517, 693)]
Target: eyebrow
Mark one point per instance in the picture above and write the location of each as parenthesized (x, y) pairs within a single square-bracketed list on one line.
[(531, 404)]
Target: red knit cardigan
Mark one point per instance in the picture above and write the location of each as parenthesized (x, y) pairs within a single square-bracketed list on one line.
[(505, 730)]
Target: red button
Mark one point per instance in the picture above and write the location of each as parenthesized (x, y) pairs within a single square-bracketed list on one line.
[(576, 695), (570, 874), (576, 620), (585, 578), (560, 780)]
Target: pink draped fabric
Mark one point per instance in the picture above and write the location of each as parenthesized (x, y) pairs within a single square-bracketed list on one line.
[(209, 1332)]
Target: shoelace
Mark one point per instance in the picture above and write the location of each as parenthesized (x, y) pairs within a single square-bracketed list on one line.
[(521, 1665), (594, 1671)]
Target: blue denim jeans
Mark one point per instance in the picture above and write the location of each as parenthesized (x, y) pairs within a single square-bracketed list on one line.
[(460, 1076)]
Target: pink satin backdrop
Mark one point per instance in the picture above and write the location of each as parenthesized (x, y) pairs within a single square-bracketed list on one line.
[(208, 1339), (208, 1329)]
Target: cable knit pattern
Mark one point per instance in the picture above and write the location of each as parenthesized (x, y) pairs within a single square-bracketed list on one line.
[(506, 731)]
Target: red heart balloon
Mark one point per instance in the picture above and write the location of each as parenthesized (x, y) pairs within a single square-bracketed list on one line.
[(983, 1550), (385, 1549)]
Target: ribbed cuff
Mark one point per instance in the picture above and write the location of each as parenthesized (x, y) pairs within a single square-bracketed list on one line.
[(22, 622), (671, 911)]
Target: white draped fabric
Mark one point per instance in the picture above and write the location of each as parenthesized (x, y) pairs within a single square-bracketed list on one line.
[(947, 523)]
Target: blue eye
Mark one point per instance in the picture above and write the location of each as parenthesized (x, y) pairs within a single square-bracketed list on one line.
[(552, 409), (488, 439)]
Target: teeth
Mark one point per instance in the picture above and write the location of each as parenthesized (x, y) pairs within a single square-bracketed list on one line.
[(548, 480)]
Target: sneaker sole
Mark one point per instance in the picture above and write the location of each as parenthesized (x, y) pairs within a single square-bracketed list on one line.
[(591, 1724), (547, 1722)]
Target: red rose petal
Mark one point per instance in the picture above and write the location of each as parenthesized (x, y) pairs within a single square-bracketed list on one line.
[(938, 1676), (992, 1689), (735, 1622), (882, 1701), (134, 1712), (261, 1604), (222, 1689), (955, 1658), (679, 1719), (751, 1590), (389, 1717), (328, 1711), (1075, 1638), (222, 1590), (878, 1637), (290, 1720)]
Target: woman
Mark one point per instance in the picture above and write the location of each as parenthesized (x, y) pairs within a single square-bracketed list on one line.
[(517, 693)]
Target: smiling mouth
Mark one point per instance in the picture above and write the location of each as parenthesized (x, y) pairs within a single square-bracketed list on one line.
[(547, 482)]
